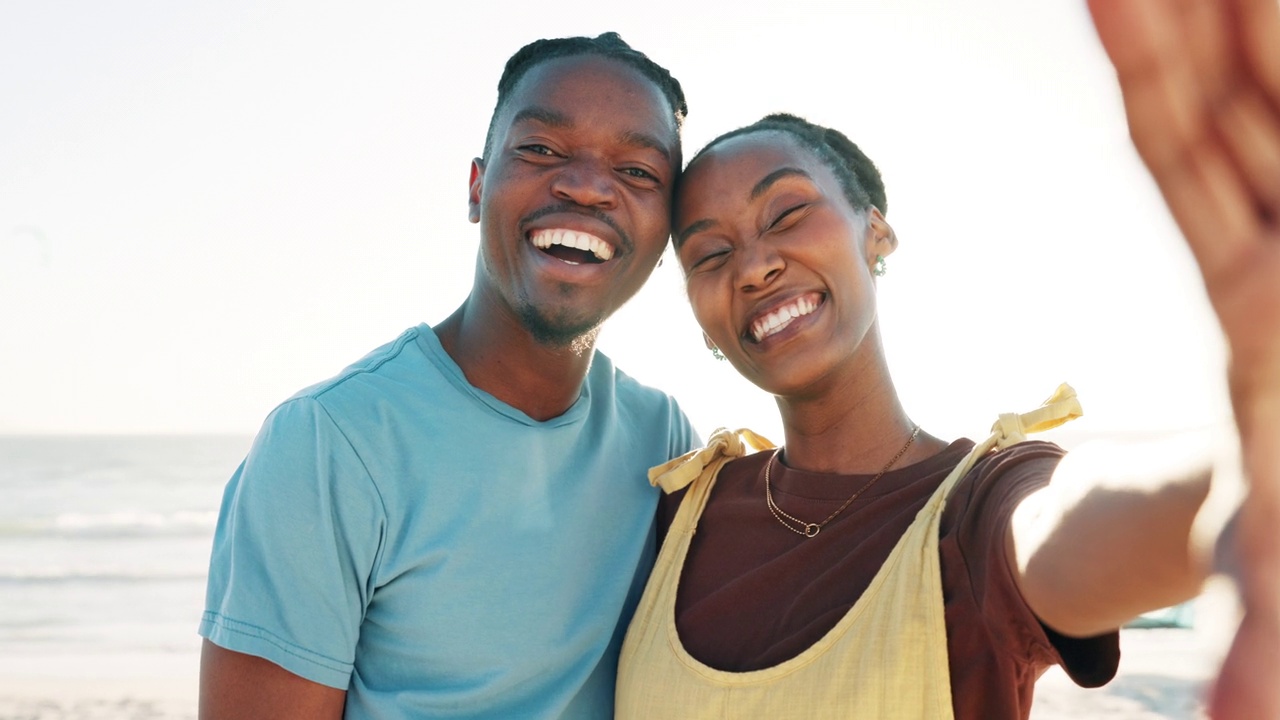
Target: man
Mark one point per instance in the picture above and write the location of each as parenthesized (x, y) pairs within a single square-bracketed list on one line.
[(459, 524)]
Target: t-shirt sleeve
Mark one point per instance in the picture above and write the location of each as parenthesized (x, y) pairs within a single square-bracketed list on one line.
[(988, 499), (683, 436), (294, 554)]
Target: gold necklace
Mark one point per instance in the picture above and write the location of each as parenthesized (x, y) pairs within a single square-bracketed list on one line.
[(809, 529)]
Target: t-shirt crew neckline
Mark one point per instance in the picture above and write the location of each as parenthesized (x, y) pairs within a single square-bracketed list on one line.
[(431, 347)]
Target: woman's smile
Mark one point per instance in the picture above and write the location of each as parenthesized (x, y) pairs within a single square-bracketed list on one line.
[(779, 317)]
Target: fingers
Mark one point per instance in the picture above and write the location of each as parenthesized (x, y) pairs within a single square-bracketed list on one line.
[(1250, 128), (1246, 687), (1209, 135), (1259, 23)]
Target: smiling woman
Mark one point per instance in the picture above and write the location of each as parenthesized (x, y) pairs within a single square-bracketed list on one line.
[(784, 207), (870, 569), (780, 243)]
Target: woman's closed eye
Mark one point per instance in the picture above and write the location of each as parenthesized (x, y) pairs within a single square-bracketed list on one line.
[(788, 217), (708, 258)]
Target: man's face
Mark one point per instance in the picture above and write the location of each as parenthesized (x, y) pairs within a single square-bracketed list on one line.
[(573, 201)]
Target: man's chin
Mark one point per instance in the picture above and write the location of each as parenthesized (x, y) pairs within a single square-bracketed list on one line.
[(561, 332)]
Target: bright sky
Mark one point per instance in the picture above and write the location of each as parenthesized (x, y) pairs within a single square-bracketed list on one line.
[(204, 208)]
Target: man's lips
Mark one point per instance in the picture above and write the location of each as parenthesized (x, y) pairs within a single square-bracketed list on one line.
[(590, 247), (573, 221), (778, 317)]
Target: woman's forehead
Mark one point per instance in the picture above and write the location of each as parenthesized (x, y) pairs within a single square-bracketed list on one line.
[(745, 160)]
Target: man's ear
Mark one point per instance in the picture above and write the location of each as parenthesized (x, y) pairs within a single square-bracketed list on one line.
[(881, 239), (473, 196), (707, 339)]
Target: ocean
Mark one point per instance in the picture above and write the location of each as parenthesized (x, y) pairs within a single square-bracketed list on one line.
[(104, 549)]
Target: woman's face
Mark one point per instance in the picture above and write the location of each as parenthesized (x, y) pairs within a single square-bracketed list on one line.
[(777, 263)]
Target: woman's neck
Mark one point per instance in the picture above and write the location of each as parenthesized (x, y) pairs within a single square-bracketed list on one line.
[(853, 426)]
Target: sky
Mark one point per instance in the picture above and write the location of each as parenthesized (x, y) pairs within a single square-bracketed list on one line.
[(204, 208)]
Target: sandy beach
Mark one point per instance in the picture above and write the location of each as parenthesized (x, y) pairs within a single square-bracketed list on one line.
[(1162, 677), (132, 686)]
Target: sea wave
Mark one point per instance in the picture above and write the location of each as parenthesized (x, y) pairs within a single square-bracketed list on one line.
[(113, 524), (55, 575)]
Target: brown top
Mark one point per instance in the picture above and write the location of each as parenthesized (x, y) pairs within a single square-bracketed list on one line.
[(753, 593)]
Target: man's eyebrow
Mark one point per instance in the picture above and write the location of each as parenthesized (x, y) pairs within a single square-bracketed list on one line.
[(644, 140), (546, 116), (768, 180), (677, 239)]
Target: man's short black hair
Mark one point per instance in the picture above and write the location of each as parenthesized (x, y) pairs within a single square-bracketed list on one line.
[(607, 45)]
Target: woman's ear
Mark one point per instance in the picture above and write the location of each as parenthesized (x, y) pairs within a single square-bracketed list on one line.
[(881, 240)]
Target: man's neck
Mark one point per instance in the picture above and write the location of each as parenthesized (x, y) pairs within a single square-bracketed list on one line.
[(499, 355)]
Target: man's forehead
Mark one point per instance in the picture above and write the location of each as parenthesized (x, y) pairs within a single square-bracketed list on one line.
[(558, 90)]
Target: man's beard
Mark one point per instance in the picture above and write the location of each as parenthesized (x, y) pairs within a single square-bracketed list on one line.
[(557, 330)]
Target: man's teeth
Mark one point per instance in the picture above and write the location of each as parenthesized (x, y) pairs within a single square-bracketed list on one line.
[(568, 238), (775, 321)]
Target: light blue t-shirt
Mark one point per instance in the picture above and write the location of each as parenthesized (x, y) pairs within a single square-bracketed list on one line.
[(400, 534)]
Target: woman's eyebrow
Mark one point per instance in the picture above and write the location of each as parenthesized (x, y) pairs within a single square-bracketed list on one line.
[(768, 180), (678, 238)]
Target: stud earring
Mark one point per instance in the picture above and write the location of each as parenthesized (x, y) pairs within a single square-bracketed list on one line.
[(881, 267), (715, 353)]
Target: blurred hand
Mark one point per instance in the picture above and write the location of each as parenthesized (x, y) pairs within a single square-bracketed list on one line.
[(1201, 86)]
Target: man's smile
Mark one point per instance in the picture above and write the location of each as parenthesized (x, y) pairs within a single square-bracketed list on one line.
[(571, 246)]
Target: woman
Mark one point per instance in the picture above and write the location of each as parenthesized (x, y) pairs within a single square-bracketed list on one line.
[(867, 568)]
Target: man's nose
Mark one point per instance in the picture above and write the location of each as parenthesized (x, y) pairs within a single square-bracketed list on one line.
[(588, 182)]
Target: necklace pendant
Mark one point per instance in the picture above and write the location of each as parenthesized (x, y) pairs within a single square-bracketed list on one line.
[(811, 529)]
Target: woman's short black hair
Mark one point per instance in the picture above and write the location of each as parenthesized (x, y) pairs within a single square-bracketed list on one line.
[(858, 176)]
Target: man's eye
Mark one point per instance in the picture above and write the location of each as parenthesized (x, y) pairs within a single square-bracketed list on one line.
[(537, 149), (638, 173)]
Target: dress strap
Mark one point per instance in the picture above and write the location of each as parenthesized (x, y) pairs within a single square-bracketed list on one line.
[(723, 445), (1012, 428)]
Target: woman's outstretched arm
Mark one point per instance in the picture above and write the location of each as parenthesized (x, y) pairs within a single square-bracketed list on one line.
[(1201, 86)]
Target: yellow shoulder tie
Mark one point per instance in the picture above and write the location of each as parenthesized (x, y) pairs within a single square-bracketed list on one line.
[(724, 445), (1012, 428), (728, 444), (1061, 407)]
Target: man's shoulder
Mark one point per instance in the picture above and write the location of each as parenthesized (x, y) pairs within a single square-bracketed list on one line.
[(644, 409), (386, 361), (628, 390), (352, 407)]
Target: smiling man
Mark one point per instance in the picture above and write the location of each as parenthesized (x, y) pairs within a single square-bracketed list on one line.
[(458, 525)]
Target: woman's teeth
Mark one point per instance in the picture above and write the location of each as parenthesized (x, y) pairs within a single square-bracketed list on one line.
[(775, 321)]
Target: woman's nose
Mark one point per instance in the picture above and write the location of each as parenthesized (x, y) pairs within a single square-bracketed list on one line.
[(759, 264)]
